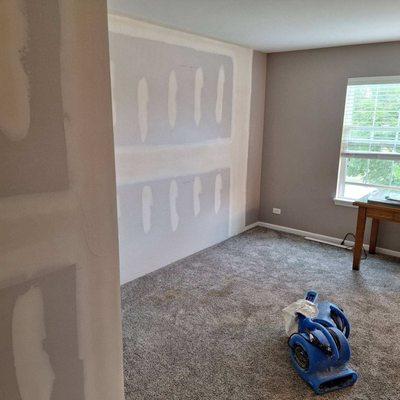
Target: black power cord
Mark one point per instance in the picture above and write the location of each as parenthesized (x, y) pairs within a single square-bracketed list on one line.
[(352, 247)]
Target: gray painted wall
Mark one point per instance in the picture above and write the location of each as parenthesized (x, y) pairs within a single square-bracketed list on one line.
[(254, 160), (303, 125)]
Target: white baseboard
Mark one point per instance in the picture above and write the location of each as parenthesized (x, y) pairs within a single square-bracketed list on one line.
[(317, 236), (251, 226)]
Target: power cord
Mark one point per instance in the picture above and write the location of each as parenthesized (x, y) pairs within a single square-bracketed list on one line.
[(352, 247)]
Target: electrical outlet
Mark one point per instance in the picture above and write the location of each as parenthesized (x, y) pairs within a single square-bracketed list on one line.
[(276, 211)]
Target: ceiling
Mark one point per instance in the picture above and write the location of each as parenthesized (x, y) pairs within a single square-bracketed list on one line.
[(274, 25)]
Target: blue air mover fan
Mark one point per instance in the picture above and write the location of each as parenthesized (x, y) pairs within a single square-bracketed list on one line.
[(320, 350)]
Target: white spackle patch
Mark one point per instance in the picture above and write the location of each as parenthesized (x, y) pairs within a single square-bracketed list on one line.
[(197, 190), (35, 375), (220, 94), (14, 83), (218, 190), (147, 204), (172, 93), (113, 95), (198, 88), (143, 101), (173, 196)]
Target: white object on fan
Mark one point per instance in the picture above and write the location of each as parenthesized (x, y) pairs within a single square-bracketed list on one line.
[(303, 307)]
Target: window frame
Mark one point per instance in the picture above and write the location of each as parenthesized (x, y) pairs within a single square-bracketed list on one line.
[(366, 155)]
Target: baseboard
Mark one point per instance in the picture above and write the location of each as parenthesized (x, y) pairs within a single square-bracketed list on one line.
[(251, 226), (317, 236)]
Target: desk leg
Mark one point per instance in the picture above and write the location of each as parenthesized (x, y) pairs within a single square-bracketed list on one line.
[(362, 216), (374, 235)]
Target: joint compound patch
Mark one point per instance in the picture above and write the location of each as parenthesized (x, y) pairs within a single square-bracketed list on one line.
[(33, 154), (39, 339)]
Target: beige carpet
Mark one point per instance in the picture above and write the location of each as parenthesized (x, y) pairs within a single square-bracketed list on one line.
[(209, 327)]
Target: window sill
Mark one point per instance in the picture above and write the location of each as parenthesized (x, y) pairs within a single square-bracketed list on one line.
[(344, 202)]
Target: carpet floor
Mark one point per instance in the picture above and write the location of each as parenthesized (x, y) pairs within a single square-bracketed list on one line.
[(209, 327)]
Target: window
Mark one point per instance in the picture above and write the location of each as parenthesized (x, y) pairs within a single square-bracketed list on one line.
[(370, 151)]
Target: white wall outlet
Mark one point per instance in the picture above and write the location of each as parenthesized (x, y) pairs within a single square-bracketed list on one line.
[(276, 211)]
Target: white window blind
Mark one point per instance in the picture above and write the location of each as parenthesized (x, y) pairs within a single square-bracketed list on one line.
[(370, 151)]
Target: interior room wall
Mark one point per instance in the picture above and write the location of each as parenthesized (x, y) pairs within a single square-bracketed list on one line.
[(60, 334), (254, 162), (305, 99), (182, 124)]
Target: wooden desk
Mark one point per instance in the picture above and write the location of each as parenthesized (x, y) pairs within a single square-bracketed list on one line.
[(376, 212)]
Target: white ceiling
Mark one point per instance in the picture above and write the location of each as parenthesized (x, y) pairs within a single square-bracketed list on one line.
[(274, 25)]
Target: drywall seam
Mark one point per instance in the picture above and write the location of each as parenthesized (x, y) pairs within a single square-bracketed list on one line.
[(220, 142), (190, 159)]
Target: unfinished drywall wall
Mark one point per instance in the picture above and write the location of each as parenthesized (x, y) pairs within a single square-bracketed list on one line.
[(15, 113), (33, 322), (306, 92), (60, 334), (176, 209), (181, 123), (32, 139), (176, 97)]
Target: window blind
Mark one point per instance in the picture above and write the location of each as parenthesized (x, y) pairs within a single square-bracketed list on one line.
[(370, 150)]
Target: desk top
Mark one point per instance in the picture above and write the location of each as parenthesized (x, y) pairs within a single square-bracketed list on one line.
[(380, 198)]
